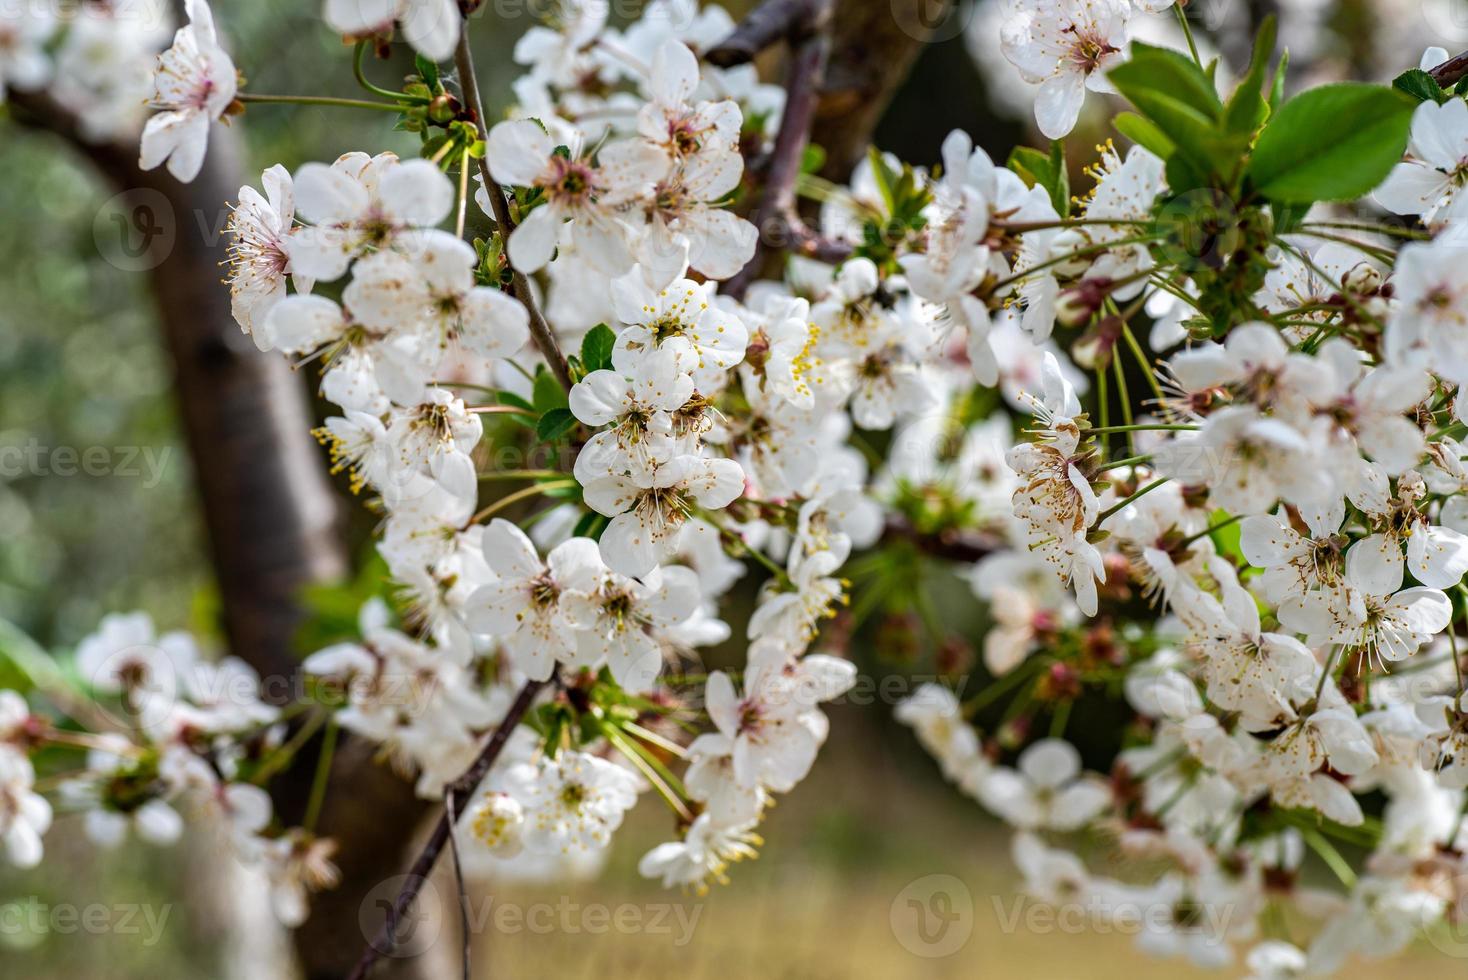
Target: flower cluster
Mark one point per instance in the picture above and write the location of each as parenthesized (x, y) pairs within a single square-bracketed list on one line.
[(1258, 567)]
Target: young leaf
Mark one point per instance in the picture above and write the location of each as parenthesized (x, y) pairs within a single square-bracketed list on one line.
[(1420, 85), (554, 424), (1144, 133), (1276, 87), (1333, 143), (1047, 171), (596, 347), (1167, 72), (1247, 109), (548, 393)]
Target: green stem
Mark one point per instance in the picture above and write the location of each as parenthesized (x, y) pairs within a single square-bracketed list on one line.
[(1209, 530), (1329, 855), (320, 100), (1144, 427), (361, 77), (323, 775), (1129, 461), (1142, 362), (1182, 19), (516, 497), (1114, 508)]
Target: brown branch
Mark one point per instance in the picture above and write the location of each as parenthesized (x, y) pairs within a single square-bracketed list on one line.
[(1450, 72), (949, 545), (767, 25), (776, 217), (463, 787), (540, 330)]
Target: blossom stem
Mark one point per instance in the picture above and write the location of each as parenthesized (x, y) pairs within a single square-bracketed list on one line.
[(519, 495), (1060, 718), (521, 475), (1146, 366), (501, 410), (1375, 251), (1182, 19), (1103, 402), (463, 197), (1129, 461), (1114, 508), (282, 756), (1125, 398), (1387, 230), (540, 330), (1001, 686), (1080, 253), (650, 772), (654, 738), (1209, 530), (325, 100), (1457, 665), (86, 740), (1145, 427), (322, 779), (361, 77), (1332, 857)]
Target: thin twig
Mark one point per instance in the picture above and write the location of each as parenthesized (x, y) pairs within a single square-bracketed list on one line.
[(540, 330), (466, 785)]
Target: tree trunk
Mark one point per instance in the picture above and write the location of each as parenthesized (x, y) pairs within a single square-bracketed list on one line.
[(270, 512)]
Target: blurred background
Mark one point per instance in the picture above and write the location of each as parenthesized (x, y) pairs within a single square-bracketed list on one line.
[(844, 887)]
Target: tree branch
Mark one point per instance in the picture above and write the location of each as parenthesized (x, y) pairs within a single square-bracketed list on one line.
[(952, 546), (540, 330), (776, 218), (462, 788), (1450, 72)]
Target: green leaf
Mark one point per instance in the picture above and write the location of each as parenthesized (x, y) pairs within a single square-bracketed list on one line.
[(1144, 133), (548, 393), (510, 398), (1044, 170), (1332, 143), (812, 159), (1247, 110), (1276, 87), (1421, 85), (554, 424), (427, 70), (596, 348), (1178, 98), (884, 177), (1169, 72)]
